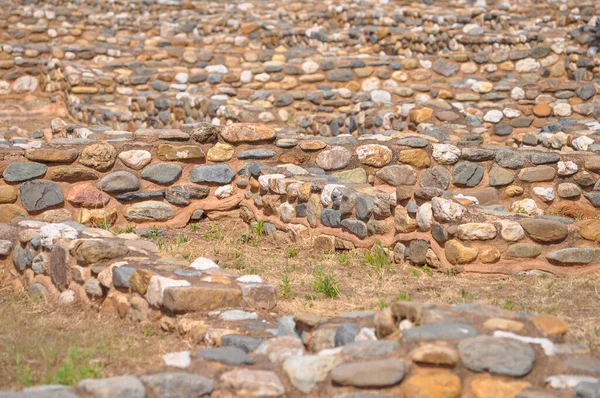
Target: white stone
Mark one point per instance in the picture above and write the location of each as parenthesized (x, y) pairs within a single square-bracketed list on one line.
[(326, 193), (310, 67), (221, 69), (370, 84), (567, 168), (182, 77), (446, 153), (203, 264), (182, 359), (546, 194), (525, 206), (238, 315), (517, 93), (564, 382), (547, 345), (482, 87), (25, 84), (511, 113), (246, 76), (224, 192), (366, 334), (157, 286), (381, 96), (493, 116), (5, 246), (562, 109), (262, 77), (446, 210), (66, 298), (512, 231), (249, 279), (135, 159), (51, 232), (582, 143), (424, 217), (476, 231), (527, 65), (265, 180)]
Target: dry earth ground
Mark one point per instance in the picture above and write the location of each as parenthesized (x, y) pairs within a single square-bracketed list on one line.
[(45, 344)]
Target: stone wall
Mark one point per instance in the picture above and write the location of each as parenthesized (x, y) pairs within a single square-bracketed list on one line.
[(483, 209)]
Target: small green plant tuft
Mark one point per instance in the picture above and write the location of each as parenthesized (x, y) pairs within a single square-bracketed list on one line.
[(402, 296), (76, 367), (466, 295), (24, 374), (343, 259), (326, 283), (286, 287), (291, 252), (508, 305), (215, 232), (194, 227)]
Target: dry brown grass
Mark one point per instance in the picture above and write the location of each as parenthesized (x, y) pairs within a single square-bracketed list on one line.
[(42, 344), (365, 286)]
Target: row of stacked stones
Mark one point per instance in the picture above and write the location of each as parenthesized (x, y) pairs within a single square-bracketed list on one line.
[(409, 350), (431, 203), (481, 73)]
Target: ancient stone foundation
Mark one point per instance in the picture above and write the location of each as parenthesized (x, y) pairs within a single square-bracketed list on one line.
[(480, 209), (458, 135)]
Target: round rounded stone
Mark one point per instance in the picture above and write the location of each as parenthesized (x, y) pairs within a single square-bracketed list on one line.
[(542, 110), (545, 231), (23, 171), (86, 195), (149, 211), (369, 374), (98, 156), (119, 181), (374, 155), (334, 159), (497, 355), (162, 173), (434, 383), (135, 159)]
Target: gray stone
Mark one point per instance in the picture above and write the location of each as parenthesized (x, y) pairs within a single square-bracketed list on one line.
[(357, 227), (121, 276), (467, 174), (585, 92), (246, 343), (435, 177), (220, 174), (340, 75), (545, 231), (499, 176), (256, 154), (573, 256), (503, 129), (369, 374), (306, 371), (232, 356), (331, 218), (178, 384), (40, 195), (523, 250), (22, 257), (364, 206), (119, 386), (586, 363), (593, 198), (445, 68), (417, 251), (544, 158), (587, 389), (477, 154), (23, 171), (439, 331), (346, 333), (119, 181), (162, 173), (413, 142), (370, 349), (38, 292), (496, 355), (398, 175), (509, 159)]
